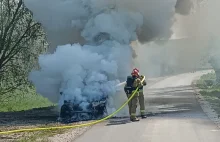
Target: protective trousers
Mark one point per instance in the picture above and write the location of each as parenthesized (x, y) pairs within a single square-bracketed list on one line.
[(129, 104), (132, 105), (141, 102)]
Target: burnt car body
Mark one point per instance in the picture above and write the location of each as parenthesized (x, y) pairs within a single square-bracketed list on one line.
[(74, 113)]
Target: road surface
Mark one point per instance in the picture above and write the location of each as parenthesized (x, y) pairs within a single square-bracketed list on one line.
[(179, 117)]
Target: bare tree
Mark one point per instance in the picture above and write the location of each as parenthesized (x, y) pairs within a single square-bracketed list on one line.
[(21, 41)]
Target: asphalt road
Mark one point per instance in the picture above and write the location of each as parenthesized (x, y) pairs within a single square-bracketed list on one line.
[(179, 117)]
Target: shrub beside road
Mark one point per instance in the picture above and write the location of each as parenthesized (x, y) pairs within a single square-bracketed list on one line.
[(210, 90)]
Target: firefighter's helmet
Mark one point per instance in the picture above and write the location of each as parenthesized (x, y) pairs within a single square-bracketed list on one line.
[(135, 72)]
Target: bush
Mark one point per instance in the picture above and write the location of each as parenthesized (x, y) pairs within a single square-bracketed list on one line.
[(207, 81), (210, 90)]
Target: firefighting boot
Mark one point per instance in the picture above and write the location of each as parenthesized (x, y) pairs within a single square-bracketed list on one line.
[(134, 119), (143, 116)]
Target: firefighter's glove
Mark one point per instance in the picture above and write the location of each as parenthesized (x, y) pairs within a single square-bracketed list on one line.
[(127, 92), (140, 86)]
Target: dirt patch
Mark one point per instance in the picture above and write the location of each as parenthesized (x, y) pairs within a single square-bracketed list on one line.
[(42, 117), (26, 119)]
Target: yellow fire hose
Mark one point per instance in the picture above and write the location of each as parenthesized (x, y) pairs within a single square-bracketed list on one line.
[(72, 126)]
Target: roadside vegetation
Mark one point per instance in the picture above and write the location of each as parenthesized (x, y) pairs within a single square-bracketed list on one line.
[(210, 90), (22, 40), (21, 101)]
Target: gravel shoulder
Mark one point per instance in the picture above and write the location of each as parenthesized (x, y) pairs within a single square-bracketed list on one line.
[(69, 135)]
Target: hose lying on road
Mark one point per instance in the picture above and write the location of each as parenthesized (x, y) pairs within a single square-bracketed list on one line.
[(73, 126)]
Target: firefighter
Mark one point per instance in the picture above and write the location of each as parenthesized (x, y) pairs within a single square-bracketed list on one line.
[(141, 95), (132, 83), (141, 98)]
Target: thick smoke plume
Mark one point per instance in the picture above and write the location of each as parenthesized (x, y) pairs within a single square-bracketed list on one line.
[(195, 39), (91, 44), (67, 18), (203, 26)]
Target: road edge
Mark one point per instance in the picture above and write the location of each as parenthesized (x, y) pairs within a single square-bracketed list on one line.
[(70, 135), (205, 105)]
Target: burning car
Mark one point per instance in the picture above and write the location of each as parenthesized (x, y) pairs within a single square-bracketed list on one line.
[(72, 112)]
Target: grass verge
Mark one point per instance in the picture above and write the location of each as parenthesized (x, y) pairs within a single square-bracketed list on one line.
[(210, 91), (19, 101)]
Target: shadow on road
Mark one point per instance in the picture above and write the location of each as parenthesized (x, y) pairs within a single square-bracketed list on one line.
[(168, 90), (171, 101), (126, 120), (179, 98), (118, 122)]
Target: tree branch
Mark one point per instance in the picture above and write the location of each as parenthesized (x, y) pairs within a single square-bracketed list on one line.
[(11, 89), (15, 48), (8, 27), (18, 31)]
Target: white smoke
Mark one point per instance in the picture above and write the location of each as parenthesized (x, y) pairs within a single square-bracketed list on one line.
[(64, 20), (89, 71)]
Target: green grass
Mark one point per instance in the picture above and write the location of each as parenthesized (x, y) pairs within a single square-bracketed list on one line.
[(206, 81), (210, 91), (19, 101)]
